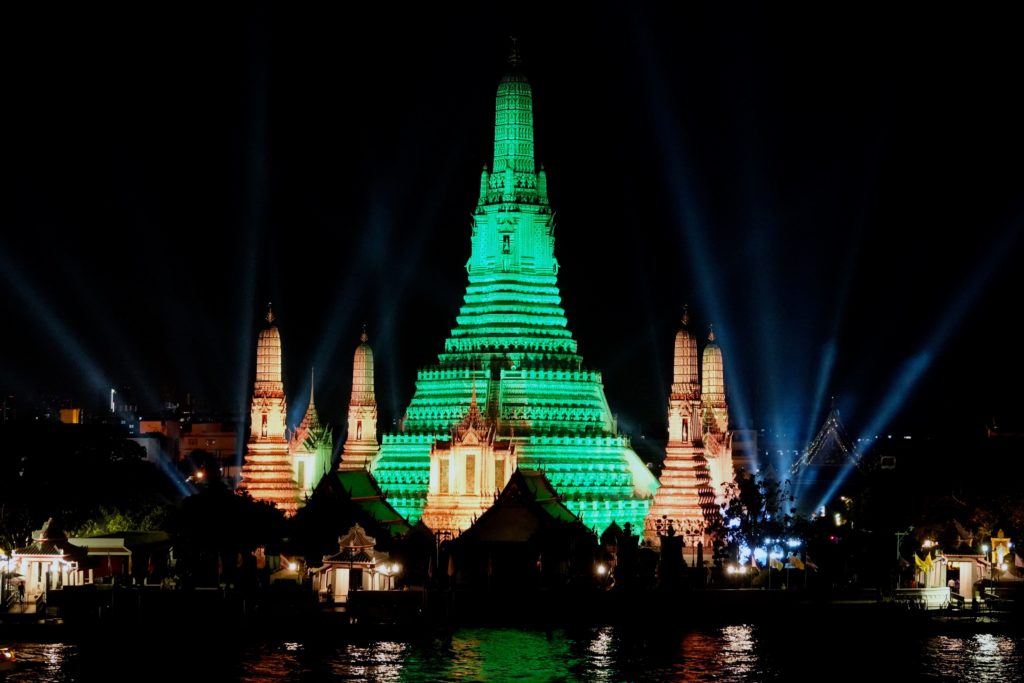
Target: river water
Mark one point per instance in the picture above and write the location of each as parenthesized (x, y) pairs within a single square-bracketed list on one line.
[(784, 651)]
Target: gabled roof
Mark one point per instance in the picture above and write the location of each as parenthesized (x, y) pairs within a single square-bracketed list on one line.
[(831, 447), (51, 541), (527, 504), (361, 488)]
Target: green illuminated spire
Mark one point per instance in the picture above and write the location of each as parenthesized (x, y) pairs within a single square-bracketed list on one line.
[(512, 355), (513, 122)]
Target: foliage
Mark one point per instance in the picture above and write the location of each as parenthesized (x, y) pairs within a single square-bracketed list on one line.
[(217, 532), (756, 510), (108, 520), (77, 473)]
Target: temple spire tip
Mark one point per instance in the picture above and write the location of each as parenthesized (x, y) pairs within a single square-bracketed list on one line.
[(270, 313), (514, 59), (364, 337)]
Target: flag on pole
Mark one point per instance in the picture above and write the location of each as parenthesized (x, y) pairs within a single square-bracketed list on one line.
[(775, 563), (796, 562)]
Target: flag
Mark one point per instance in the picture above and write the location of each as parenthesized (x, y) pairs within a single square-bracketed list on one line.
[(920, 563), (775, 563), (809, 563), (1018, 561), (795, 562)]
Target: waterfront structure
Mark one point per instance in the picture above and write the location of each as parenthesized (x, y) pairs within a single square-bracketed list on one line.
[(49, 562), (268, 473), (512, 348), (361, 442), (356, 566)]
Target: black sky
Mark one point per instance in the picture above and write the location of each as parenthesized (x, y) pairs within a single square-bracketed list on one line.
[(797, 176)]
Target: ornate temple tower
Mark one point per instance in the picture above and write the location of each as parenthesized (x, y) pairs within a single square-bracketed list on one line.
[(511, 343), (467, 472), (310, 447), (686, 499), (715, 418), (361, 443), (267, 472)]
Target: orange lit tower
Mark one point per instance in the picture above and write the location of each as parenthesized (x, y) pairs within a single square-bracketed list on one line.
[(267, 471)]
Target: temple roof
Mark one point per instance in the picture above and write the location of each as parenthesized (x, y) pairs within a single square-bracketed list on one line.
[(268, 358), (356, 538), (362, 489), (685, 373), (51, 541), (831, 447), (527, 504), (362, 373), (712, 389)]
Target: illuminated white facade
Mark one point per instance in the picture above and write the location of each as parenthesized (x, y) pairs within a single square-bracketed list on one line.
[(361, 443)]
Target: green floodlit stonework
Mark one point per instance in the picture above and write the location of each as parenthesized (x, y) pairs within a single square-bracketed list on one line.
[(512, 344)]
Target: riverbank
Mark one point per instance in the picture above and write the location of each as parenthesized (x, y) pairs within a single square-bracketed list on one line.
[(396, 613)]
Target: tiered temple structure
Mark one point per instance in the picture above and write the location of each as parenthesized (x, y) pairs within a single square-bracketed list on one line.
[(268, 473), (686, 499), (361, 444), (467, 471), (311, 447), (715, 418), (512, 348)]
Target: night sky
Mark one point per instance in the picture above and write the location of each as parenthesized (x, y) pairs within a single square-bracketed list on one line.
[(842, 185)]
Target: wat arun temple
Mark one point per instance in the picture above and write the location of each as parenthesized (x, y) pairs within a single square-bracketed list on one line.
[(510, 389)]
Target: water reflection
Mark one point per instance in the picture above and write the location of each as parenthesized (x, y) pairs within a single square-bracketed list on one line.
[(805, 651), (981, 657)]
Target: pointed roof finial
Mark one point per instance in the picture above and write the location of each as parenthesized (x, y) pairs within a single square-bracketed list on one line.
[(312, 376), (364, 337), (686, 314), (270, 313), (711, 332), (513, 54)]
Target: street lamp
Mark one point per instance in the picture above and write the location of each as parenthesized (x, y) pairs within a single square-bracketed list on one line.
[(899, 540)]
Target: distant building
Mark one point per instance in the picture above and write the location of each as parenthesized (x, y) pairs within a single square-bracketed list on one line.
[(829, 461), (211, 437)]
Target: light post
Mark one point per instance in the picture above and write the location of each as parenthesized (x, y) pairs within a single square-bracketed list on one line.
[(899, 540)]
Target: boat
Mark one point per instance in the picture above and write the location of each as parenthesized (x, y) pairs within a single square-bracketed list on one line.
[(7, 658)]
